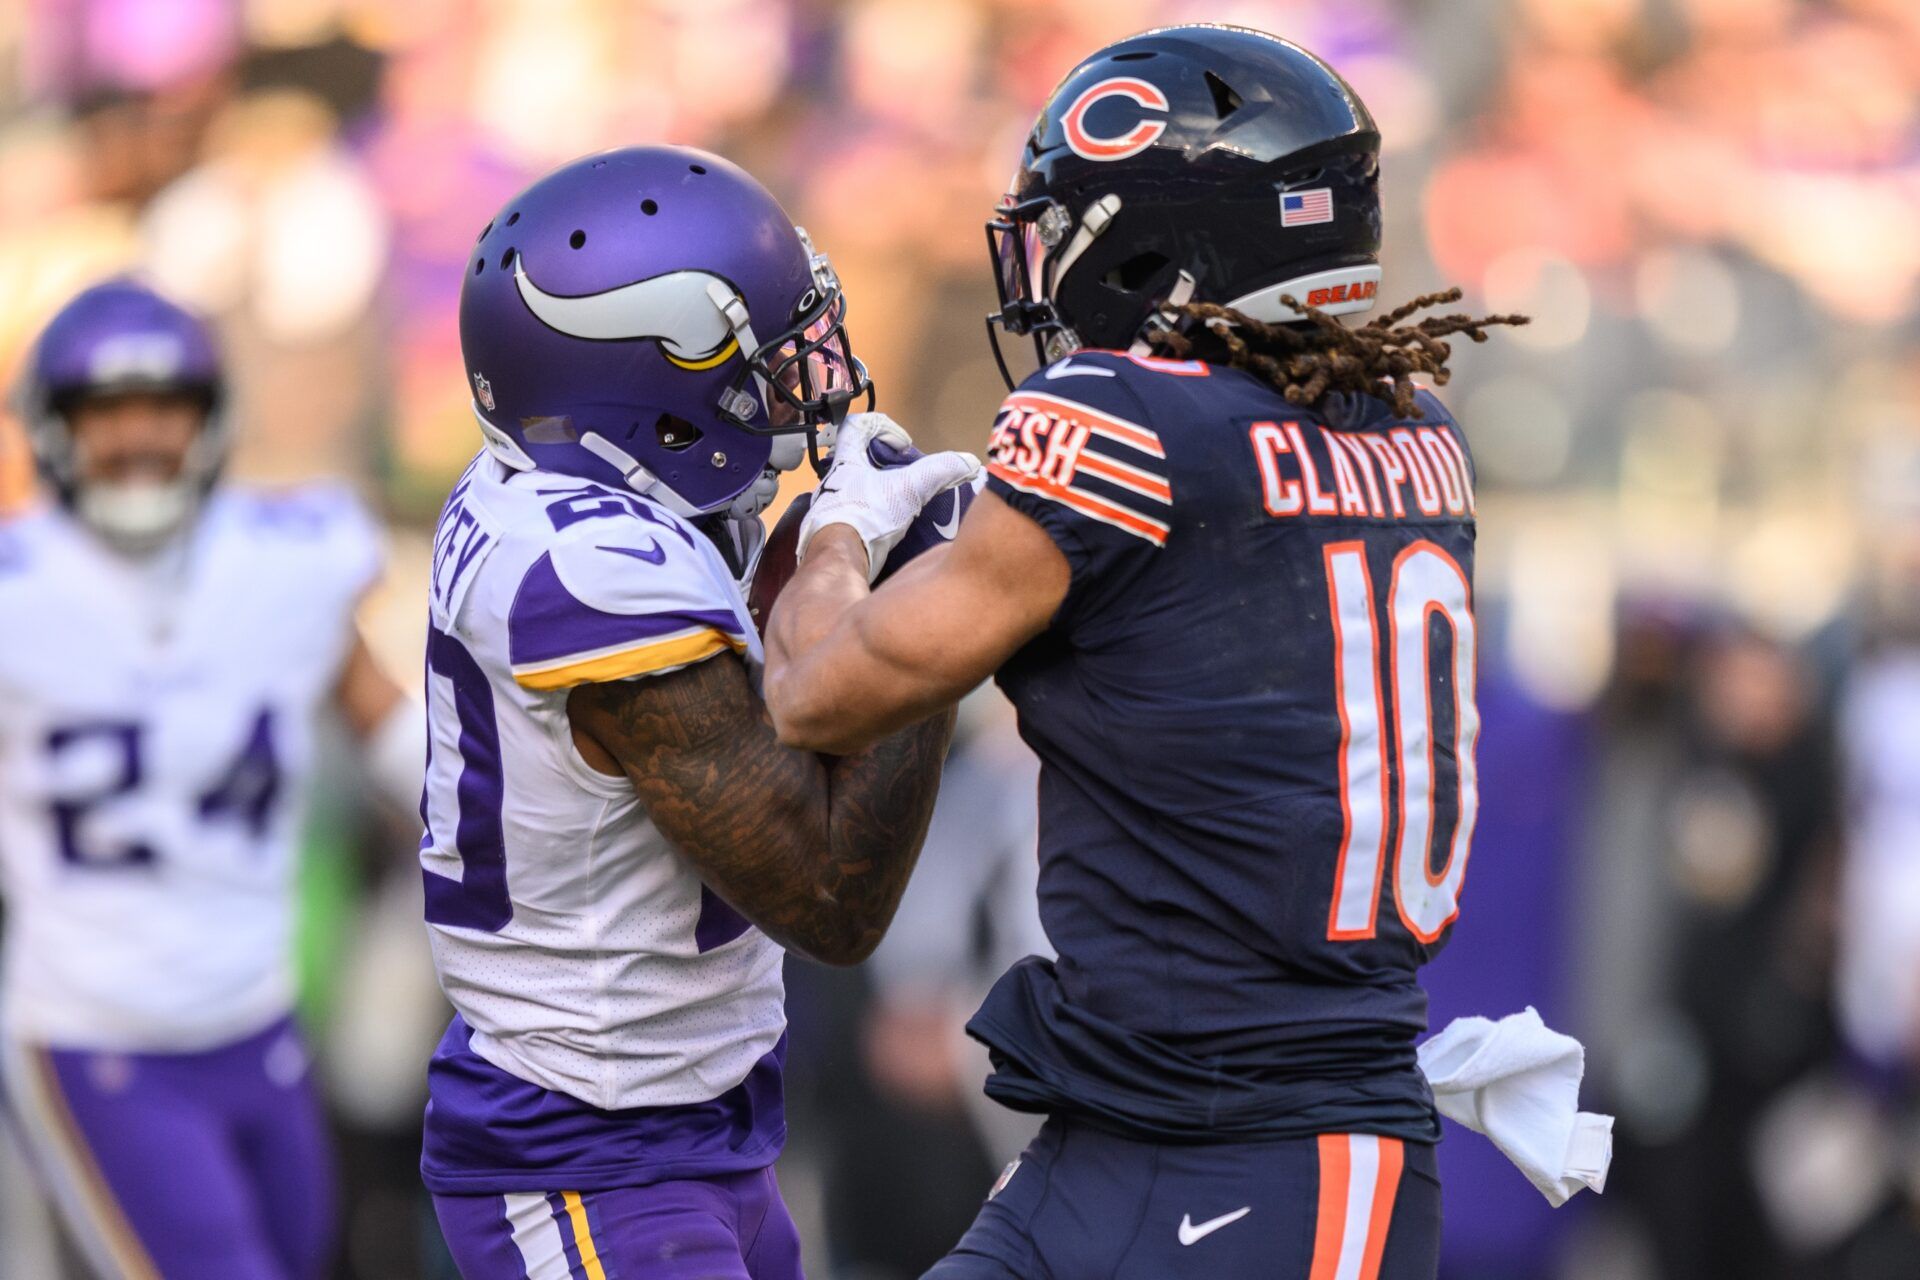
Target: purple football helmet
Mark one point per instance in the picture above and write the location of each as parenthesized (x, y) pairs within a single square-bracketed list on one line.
[(118, 338), (650, 318)]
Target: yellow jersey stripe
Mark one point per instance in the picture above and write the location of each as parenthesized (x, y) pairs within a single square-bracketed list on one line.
[(638, 660), (583, 1236)]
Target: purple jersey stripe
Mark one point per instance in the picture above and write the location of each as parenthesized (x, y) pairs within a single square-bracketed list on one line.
[(563, 1222), (718, 924), (547, 622)]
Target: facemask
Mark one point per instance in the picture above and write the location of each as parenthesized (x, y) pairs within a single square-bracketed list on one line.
[(789, 451)]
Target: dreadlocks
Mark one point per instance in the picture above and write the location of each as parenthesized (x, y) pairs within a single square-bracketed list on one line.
[(1306, 361)]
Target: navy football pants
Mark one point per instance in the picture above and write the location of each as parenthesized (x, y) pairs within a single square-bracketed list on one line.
[(1081, 1204)]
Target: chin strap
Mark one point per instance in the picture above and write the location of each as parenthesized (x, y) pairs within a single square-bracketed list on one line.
[(501, 445), (1098, 217), (636, 477), (733, 309), (1064, 341)]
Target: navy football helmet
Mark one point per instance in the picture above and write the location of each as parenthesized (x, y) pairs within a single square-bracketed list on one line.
[(1193, 163), (650, 318)]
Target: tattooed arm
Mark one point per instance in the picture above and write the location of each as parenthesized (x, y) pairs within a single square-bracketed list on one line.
[(816, 850)]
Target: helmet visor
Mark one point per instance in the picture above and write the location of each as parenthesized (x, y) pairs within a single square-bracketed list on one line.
[(1020, 255)]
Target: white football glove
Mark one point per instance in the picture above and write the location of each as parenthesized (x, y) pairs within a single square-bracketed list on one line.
[(879, 503)]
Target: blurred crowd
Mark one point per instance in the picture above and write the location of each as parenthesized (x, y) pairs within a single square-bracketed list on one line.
[(1700, 549)]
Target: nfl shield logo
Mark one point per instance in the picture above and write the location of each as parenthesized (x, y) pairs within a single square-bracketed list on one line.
[(483, 391)]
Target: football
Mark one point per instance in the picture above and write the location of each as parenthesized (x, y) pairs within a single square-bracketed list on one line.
[(778, 559)]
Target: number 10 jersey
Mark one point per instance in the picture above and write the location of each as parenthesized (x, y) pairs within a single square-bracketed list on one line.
[(1255, 719)]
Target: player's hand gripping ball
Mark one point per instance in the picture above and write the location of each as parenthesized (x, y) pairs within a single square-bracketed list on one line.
[(937, 522), (879, 501)]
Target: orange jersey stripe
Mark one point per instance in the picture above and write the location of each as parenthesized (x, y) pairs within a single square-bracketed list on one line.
[(1131, 434), (1114, 472), (1085, 503), (1331, 1225)]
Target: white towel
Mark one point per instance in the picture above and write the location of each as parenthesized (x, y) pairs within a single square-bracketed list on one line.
[(1518, 1082)]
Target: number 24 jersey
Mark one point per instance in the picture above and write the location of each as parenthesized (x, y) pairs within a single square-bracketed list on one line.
[(155, 735)]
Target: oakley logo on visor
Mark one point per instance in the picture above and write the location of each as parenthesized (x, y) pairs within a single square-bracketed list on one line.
[(1092, 146), (674, 310)]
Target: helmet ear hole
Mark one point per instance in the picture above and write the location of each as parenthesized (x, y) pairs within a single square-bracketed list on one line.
[(675, 434), (1225, 100), (1133, 275)]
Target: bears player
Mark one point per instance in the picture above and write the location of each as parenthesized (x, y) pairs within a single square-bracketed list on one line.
[(617, 849), (168, 641), (1223, 570)]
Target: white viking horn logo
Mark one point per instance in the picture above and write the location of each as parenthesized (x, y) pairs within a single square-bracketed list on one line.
[(676, 310)]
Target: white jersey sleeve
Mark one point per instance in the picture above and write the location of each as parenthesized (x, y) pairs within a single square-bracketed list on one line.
[(612, 599), (575, 941), (332, 533)]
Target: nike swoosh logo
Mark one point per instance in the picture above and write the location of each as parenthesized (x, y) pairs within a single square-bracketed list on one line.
[(951, 525), (652, 555), (1189, 1233), (1068, 369)]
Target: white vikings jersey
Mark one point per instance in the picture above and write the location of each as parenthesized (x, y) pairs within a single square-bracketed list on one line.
[(579, 947), (155, 732)]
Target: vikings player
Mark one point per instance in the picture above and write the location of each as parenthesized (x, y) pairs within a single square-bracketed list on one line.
[(617, 848), (1223, 570), (167, 643)]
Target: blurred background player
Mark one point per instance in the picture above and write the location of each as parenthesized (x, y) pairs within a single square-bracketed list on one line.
[(1230, 596), (617, 848), (169, 641)]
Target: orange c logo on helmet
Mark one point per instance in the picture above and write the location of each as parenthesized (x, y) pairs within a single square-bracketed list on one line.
[(1093, 147)]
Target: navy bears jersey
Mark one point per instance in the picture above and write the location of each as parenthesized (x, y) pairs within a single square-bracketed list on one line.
[(1255, 717)]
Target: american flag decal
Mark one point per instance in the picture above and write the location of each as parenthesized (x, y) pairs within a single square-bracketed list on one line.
[(1305, 208), (1100, 466)]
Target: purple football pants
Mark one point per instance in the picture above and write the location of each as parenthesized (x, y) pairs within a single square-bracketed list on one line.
[(188, 1166), (728, 1227)]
